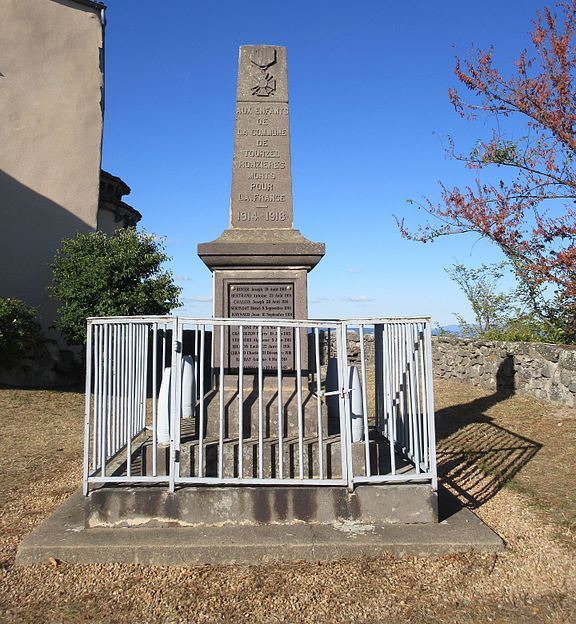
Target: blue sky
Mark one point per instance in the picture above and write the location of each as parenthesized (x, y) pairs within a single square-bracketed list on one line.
[(368, 85)]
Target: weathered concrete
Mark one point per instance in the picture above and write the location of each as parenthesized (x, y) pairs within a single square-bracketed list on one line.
[(254, 506), (63, 537)]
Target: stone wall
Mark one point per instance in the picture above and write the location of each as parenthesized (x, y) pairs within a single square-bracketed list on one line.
[(47, 366), (352, 344), (546, 371)]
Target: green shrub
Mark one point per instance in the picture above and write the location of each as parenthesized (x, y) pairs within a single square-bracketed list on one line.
[(19, 332), (523, 329), (522, 315), (100, 275)]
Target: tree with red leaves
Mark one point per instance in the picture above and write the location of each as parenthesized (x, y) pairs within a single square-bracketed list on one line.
[(530, 215)]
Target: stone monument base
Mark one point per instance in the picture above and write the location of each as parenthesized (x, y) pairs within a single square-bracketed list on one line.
[(243, 506), (63, 537), (261, 248), (261, 273)]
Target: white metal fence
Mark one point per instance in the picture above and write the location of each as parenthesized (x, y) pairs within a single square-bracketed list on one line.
[(258, 401)]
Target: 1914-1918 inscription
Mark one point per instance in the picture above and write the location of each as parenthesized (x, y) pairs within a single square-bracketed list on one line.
[(257, 300)]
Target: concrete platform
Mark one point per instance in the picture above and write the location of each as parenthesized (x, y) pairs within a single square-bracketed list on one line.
[(63, 537), (145, 506)]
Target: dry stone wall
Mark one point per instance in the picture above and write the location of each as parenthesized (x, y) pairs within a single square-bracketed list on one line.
[(328, 346), (47, 366), (546, 371)]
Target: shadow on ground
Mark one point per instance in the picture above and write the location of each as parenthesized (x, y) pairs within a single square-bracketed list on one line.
[(477, 457)]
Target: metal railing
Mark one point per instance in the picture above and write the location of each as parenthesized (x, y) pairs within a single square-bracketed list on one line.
[(258, 401)]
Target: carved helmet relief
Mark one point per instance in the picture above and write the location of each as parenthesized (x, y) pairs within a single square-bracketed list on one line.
[(263, 58)]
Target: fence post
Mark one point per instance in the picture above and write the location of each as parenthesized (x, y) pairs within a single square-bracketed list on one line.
[(86, 466), (430, 406), (345, 434), (174, 404)]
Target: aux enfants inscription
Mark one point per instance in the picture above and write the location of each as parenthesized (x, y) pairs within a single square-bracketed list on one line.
[(260, 263)]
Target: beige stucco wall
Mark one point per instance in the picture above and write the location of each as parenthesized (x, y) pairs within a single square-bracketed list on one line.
[(50, 138), (107, 223)]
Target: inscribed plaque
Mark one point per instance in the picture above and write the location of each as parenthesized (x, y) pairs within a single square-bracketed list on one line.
[(261, 300)]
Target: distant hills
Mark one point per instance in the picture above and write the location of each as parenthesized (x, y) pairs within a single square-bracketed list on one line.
[(451, 329)]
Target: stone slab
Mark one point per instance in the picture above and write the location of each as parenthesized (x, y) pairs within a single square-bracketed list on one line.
[(63, 537), (295, 279), (261, 248), (219, 506)]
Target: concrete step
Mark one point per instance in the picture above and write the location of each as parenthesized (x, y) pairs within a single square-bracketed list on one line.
[(190, 455), (250, 407), (331, 460), (379, 458), (264, 505), (64, 535)]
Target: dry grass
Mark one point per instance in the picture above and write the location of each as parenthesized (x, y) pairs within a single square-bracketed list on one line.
[(484, 442), (488, 440)]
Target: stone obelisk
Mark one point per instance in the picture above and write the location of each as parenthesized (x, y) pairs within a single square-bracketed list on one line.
[(260, 264)]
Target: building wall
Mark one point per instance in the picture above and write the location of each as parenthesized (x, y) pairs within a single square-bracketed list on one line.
[(107, 223), (50, 138)]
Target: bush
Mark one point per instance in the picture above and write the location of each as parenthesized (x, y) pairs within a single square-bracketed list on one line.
[(19, 332), (525, 329), (100, 275), (516, 316)]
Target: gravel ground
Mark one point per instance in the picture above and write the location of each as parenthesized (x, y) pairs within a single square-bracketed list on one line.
[(483, 442)]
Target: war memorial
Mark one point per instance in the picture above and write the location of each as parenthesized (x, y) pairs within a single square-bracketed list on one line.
[(257, 434)]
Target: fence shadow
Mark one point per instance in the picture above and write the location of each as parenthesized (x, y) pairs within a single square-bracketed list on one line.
[(476, 457)]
